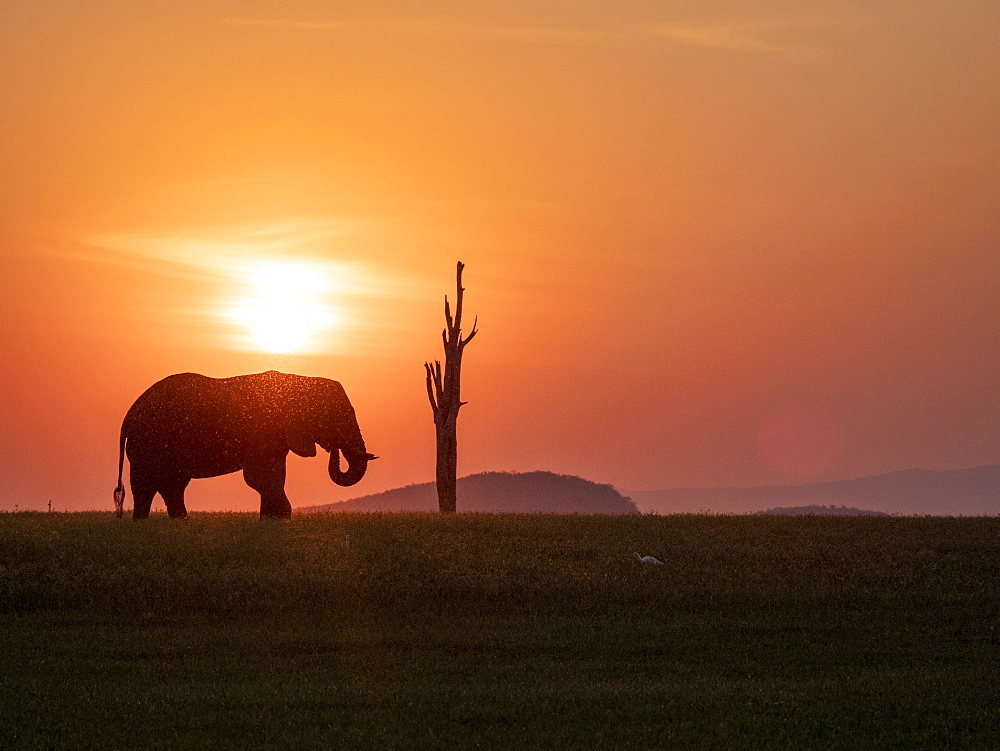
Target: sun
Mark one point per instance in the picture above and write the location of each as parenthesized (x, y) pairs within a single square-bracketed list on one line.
[(286, 306), (281, 325)]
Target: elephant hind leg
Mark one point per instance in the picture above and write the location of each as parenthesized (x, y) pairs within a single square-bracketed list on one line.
[(143, 490), (173, 497)]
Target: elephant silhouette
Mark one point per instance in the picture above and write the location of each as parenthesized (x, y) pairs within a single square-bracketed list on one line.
[(189, 426)]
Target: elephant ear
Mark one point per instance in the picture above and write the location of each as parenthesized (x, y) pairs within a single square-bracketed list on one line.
[(299, 440)]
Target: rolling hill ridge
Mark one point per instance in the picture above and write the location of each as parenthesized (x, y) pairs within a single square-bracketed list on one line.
[(958, 492), (498, 492)]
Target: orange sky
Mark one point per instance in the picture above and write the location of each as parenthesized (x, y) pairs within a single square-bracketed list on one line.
[(707, 244)]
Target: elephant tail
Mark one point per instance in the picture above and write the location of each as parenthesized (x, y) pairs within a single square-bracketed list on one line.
[(120, 489)]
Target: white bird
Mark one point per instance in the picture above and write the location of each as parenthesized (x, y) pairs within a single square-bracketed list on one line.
[(647, 559)]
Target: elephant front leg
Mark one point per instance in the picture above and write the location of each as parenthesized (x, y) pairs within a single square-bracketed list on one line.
[(266, 475)]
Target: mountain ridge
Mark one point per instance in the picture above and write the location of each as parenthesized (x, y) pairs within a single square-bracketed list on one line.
[(972, 491), (497, 492)]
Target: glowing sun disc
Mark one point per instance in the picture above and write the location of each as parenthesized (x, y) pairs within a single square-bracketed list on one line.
[(280, 326)]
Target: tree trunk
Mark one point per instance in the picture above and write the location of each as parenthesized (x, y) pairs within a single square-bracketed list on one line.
[(447, 472), (444, 393)]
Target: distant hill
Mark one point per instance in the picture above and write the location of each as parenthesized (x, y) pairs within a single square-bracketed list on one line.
[(958, 492), (498, 492), (819, 511)]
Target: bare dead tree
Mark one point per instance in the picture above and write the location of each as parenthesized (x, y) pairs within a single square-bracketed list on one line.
[(443, 392)]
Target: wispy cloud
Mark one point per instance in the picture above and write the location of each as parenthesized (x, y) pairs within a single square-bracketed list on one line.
[(223, 254), (417, 27), (236, 253), (234, 270), (767, 36), (528, 34), (721, 37), (287, 23), (221, 250), (753, 37)]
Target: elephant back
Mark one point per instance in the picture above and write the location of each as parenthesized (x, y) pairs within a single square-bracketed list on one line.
[(184, 414)]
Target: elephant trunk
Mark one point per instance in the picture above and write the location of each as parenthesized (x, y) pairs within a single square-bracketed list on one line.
[(357, 465)]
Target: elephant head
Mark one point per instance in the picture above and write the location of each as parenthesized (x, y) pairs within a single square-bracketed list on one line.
[(324, 415)]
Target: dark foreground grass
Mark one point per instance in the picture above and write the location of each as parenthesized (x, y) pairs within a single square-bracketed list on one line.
[(496, 631)]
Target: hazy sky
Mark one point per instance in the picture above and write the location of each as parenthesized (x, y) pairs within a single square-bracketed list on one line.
[(709, 243)]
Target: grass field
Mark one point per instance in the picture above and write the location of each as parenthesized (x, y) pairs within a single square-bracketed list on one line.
[(498, 632)]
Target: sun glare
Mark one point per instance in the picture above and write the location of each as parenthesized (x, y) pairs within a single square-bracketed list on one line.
[(284, 279), (286, 306), (288, 297), (281, 325)]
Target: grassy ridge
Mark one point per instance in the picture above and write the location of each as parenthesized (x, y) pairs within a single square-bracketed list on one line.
[(536, 630)]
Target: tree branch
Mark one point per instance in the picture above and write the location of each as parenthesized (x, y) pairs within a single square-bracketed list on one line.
[(438, 385), (458, 300), (430, 388), (466, 340), (447, 315)]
